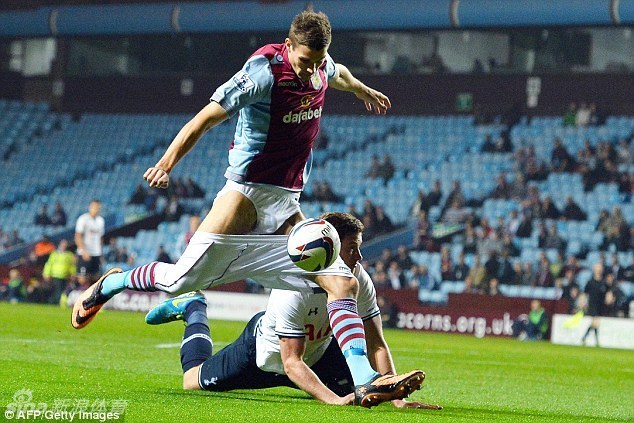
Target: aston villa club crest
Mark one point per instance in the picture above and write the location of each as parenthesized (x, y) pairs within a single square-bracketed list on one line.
[(315, 80)]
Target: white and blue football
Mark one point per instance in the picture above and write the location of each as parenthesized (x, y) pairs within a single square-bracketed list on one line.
[(313, 244)]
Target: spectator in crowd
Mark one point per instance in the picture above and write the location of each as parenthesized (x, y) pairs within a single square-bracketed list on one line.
[(533, 326), (582, 118), (192, 189), (470, 242), (525, 227), (560, 158), (509, 246), (615, 303), (16, 289), (435, 195), (422, 203), (492, 266), (506, 273), (513, 223), (446, 264), (528, 275), (369, 211), (617, 231), (519, 187), (572, 211), (543, 277), (572, 265), (374, 171), (492, 287), (379, 275), (553, 240), (58, 271), (518, 274), (59, 215), (396, 275), (173, 210), (628, 272), (387, 168), (162, 255), (138, 196), (461, 269), (403, 258), (456, 197), (570, 117), (502, 188), (624, 153), (549, 210), (488, 146), (534, 168), (557, 265), (475, 281), (383, 222), (323, 192), (615, 268), (426, 280), (42, 218), (423, 233)]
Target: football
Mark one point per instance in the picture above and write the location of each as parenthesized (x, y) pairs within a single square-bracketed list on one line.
[(313, 244)]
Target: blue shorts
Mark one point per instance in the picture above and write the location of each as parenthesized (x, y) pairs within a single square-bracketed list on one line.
[(234, 367)]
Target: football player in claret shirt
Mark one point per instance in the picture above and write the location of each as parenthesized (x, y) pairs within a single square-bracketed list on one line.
[(279, 98)]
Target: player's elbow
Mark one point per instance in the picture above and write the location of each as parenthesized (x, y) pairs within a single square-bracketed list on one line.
[(291, 369)]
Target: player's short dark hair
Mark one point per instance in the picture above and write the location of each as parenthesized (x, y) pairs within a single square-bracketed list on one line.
[(311, 29), (345, 223)]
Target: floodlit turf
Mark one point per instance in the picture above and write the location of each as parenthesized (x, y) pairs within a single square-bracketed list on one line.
[(118, 357)]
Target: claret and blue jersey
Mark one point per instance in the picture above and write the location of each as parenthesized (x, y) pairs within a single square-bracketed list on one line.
[(278, 118)]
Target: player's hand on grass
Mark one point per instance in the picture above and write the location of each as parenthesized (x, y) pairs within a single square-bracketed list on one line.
[(415, 404), (374, 100), (157, 177)]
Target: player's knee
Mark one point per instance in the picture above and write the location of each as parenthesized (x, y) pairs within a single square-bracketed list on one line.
[(340, 286), (190, 379), (177, 287)]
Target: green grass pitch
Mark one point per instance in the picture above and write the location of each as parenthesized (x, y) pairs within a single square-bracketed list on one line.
[(119, 357)]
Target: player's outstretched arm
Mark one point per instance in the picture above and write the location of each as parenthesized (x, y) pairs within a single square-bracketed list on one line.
[(292, 352), (210, 116), (374, 100), (381, 359)]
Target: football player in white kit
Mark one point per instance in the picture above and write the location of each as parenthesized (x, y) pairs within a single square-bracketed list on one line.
[(279, 97), (288, 345)]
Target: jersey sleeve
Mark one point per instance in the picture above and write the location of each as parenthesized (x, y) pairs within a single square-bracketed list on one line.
[(249, 85), (366, 300), (288, 309), (330, 70), (80, 226)]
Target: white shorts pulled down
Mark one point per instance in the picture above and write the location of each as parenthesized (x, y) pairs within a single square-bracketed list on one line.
[(212, 260), (273, 204)]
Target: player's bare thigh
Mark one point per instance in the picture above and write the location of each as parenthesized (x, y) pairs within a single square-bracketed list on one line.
[(286, 227), (231, 214)]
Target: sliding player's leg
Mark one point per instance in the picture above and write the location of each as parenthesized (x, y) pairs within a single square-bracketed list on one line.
[(231, 213)]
